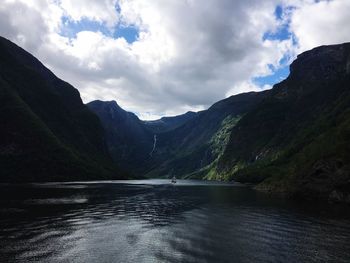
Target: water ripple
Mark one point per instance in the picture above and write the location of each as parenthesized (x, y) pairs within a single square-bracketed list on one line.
[(113, 222)]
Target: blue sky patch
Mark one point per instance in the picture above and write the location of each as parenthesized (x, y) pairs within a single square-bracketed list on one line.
[(129, 33), (71, 28), (283, 31), (278, 75), (281, 34), (279, 12)]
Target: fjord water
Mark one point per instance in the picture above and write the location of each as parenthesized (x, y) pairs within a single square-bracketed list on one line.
[(154, 221)]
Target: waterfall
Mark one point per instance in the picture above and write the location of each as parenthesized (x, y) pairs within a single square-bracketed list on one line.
[(154, 145)]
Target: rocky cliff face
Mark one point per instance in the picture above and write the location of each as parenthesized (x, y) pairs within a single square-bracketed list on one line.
[(325, 62)]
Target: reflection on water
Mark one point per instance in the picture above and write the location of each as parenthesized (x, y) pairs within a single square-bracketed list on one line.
[(152, 221)]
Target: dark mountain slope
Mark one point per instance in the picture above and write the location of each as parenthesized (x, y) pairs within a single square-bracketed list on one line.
[(47, 132), (298, 138), (129, 141)]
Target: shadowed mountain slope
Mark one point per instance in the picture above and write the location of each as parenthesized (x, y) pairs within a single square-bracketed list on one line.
[(47, 133), (128, 139)]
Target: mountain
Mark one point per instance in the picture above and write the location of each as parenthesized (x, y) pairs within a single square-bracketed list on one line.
[(184, 145), (166, 124), (47, 133), (129, 141), (297, 140), (190, 149)]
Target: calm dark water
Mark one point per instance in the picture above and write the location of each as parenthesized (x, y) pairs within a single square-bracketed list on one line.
[(152, 221)]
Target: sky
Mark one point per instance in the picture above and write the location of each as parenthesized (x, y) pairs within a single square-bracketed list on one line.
[(166, 57)]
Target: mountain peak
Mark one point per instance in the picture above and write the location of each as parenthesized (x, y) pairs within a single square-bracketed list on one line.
[(111, 110), (326, 62), (111, 103)]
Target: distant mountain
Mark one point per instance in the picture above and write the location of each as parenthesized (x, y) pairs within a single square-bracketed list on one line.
[(47, 133), (129, 141), (181, 145), (297, 140), (190, 148), (166, 124)]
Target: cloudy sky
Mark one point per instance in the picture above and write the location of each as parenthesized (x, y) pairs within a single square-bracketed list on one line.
[(165, 57)]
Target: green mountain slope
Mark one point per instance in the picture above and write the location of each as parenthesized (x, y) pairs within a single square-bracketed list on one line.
[(297, 139), (190, 150), (47, 133)]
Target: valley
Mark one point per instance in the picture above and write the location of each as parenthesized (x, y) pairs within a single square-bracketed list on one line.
[(292, 139)]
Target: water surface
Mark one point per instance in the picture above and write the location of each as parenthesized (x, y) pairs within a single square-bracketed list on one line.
[(154, 221)]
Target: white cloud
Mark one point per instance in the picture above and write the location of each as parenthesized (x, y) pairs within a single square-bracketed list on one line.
[(189, 53), (103, 11), (245, 86), (322, 23), (16, 22)]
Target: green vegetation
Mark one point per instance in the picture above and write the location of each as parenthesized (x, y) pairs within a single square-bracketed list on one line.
[(220, 139)]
